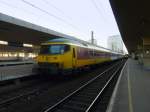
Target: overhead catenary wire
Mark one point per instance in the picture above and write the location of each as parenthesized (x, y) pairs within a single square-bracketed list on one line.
[(48, 13), (16, 7), (99, 11), (59, 10)]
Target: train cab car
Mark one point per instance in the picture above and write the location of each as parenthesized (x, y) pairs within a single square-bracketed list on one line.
[(55, 57), (62, 56)]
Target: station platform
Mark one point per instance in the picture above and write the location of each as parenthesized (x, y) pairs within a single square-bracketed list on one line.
[(9, 63), (14, 70), (132, 91)]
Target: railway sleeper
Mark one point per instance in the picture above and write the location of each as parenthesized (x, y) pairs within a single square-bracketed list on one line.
[(75, 108), (78, 103), (82, 100), (90, 93), (85, 96)]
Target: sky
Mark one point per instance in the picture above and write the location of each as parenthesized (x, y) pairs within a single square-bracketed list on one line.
[(72, 17)]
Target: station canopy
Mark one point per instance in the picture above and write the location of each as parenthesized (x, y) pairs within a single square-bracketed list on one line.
[(17, 31), (133, 19)]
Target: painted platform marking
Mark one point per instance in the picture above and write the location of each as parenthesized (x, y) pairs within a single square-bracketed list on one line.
[(129, 90)]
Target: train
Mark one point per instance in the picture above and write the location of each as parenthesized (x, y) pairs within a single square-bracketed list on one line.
[(63, 56)]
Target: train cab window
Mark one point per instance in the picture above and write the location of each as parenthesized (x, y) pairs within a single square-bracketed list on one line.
[(66, 48), (54, 49)]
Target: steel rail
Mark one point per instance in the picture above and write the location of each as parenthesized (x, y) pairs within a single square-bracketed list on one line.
[(80, 88), (34, 91), (17, 97), (6, 101), (105, 86)]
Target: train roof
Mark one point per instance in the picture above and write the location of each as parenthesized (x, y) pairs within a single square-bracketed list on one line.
[(81, 43)]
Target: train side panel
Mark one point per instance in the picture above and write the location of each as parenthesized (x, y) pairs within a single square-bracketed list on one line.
[(86, 57)]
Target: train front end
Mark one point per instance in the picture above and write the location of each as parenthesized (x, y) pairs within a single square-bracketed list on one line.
[(54, 58)]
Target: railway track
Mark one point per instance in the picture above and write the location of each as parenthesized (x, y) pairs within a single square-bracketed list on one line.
[(84, 98), (35, 90), (5, 105)]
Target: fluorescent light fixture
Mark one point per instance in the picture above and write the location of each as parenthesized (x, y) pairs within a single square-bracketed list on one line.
[(3, 42), (27, 45)]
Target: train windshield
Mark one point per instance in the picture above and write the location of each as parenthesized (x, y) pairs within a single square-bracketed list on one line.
[(54, 49)]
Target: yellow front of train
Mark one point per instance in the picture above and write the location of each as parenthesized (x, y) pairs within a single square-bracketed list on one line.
[(55, 58)]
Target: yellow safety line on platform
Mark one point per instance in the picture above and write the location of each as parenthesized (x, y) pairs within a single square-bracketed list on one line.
[(129, 91)]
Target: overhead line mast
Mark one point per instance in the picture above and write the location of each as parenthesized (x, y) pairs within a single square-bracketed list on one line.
[(92, 37)]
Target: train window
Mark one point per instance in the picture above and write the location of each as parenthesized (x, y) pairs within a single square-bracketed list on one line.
[(54, 49), (66, 48)]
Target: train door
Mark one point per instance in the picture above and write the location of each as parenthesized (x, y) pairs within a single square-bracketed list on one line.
[(73, 58)]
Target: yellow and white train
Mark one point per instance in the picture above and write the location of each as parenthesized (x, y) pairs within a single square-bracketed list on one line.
[(64, 55)]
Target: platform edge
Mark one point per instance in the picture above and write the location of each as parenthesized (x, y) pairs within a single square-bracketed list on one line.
[(113, 97)]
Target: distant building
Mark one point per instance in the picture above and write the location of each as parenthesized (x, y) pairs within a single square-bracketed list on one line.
[(115, 43)]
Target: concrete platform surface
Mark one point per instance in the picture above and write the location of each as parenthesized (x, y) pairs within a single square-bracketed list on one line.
[(132, 94), (16, 63), (13, 70)]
